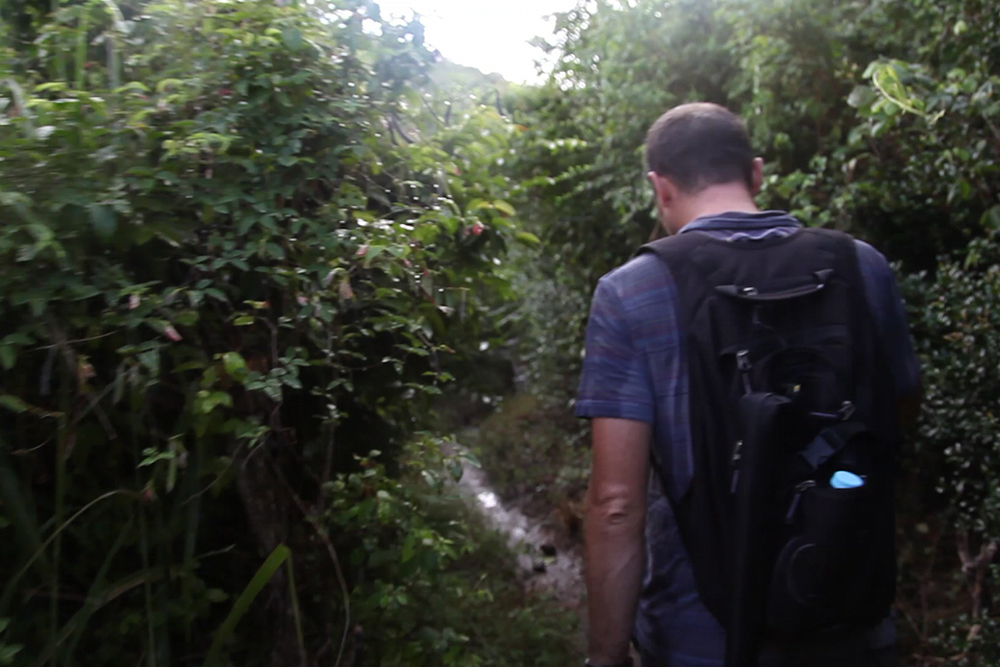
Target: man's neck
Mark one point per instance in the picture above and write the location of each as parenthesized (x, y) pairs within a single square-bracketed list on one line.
[(716, 199)]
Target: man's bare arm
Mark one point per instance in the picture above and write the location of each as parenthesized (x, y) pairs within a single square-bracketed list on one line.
[(615, 534)]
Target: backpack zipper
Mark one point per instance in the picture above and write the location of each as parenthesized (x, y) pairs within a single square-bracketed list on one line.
[(744, 366), (736, 461), (797, 498)]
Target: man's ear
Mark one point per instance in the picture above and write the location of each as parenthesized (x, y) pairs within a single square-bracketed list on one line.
[(663, 188), (756, 175)]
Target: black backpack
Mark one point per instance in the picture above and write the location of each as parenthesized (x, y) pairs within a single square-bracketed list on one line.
[(787, 387)]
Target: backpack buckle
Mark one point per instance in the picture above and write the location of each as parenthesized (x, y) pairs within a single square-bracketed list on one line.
[(743, 361), (744, 366)]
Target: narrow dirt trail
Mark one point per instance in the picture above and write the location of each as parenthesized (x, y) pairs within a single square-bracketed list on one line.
[(545, 568)]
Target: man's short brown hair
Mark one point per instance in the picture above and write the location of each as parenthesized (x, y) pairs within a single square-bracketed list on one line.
[(700, 144)]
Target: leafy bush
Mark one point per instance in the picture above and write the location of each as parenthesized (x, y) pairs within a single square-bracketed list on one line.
[(420, 548), (224, 273), (955, 319)]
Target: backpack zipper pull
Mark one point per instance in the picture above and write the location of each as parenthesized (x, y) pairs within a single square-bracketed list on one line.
[(736, 460), (744, 366), (797, 498)]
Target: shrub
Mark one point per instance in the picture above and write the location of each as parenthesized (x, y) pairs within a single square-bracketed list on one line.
[(222, 277)]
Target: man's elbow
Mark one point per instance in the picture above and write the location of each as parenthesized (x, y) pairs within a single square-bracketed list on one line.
[(615, 507)]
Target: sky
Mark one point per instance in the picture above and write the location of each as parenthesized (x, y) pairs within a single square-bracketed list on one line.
[(490, 35)]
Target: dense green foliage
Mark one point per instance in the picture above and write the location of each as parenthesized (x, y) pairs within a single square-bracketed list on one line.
[(826, 90), (245, 245), (228, 273)]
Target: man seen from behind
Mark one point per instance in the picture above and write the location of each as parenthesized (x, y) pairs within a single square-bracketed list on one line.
[(658, 574)]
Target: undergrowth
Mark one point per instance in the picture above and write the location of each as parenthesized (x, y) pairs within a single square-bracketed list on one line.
[(536, 454), (441, 586)]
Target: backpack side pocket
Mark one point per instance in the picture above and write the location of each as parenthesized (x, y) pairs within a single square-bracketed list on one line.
[(824, 571)]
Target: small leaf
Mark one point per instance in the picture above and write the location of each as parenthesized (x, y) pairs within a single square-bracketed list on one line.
[(8, 356), (861, 97), (273, 391), (991, 218), (13, 403), (504, 207), (17, 338), (372, 253), (7, 653), (151, 360), (235, 365), (103, 220), (167, 83), (217, 294), (216, 595), (292, 37)]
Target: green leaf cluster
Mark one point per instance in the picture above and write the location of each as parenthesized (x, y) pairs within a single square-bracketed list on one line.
[(231, 260)]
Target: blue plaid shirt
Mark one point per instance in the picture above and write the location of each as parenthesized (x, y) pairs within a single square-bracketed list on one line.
[(635, 369)]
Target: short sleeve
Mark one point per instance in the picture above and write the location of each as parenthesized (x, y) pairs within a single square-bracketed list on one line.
[(614, 382), (889, 313)]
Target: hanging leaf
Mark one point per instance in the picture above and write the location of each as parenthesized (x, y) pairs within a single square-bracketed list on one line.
[(292, 38), (103, 219), (8, 356), (504, 207), (991, 218), (13, 403), (235, 365)]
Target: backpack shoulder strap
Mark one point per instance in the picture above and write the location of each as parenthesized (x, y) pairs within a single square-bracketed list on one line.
[(701, 252)]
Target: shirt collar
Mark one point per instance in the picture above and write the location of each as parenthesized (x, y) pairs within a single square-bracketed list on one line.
[(740, 220)]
